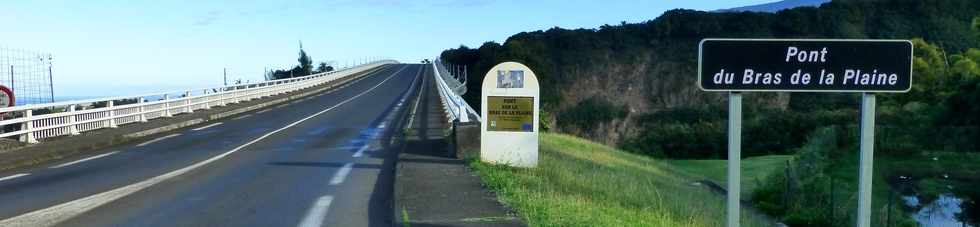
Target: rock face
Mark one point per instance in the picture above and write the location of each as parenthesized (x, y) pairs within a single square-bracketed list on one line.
[(642, 88)]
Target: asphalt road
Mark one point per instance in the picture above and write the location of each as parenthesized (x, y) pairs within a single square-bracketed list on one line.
[(322, 161)]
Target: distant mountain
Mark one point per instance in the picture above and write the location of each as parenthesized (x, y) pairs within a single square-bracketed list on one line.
[(777, 6)]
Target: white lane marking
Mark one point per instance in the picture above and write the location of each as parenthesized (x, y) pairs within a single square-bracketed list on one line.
[(157, 140), (360, 152), (59, 213), (316, 214), (243, 116), (416, 107), (341, 174), (14, 176), (206, 127), (317, 131), (342, 148), (82, 160), (263, 111)]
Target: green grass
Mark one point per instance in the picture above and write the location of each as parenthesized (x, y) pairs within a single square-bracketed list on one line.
[(580, 183), (754, 169)]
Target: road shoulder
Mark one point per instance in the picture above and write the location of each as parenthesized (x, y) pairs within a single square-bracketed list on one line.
[(432, 186)]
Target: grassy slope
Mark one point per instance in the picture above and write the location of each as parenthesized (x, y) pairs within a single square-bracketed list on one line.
[(754, 169), (580, 183)]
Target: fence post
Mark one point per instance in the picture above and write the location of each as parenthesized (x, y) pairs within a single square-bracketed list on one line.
[(142, 109), (207, 100), (71, 119), (786, 185), (234, 94), (888, 211), (27, 126), (187, 102), (463, 115), (166, 105), (833, 206), (221, 96), (112, 114)]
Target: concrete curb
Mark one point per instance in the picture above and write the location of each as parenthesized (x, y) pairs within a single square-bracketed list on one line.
[(31, 155), (396, 212)]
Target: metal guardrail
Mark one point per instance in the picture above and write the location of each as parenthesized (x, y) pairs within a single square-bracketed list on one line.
[(450, 93), (75, 117)]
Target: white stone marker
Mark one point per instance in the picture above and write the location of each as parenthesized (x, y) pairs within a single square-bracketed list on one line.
[(509, 131)]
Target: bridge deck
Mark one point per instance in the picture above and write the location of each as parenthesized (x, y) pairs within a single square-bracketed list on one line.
[(325, 160)]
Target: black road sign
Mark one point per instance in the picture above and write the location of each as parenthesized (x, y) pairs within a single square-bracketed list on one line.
[(804, 65)]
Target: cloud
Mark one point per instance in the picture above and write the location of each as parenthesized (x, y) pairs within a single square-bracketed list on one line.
[(208, 18)]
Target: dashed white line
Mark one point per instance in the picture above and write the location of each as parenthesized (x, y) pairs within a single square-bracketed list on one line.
[(243, 116), (317, 131), (14, 176), (55, 214), (341, 174), (82, 160), (316, 214), (157, 140), (206, 127), (360, 152), (263, 111)]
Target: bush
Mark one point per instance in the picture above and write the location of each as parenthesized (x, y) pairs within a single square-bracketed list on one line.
[(681, 133), (702, 132), (590, 113), (798, 192)]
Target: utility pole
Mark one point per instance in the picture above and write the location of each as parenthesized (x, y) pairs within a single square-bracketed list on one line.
[(51, 81), (226, 76)]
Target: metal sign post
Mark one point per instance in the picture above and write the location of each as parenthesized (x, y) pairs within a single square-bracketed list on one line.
[(804, 65), (734, 156), (867, 159)]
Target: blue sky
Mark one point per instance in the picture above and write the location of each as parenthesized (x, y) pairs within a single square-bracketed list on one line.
[(170, 45)]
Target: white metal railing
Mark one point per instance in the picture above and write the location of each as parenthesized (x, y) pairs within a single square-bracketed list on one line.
[(451, 77), (30, 123), (450, 95)]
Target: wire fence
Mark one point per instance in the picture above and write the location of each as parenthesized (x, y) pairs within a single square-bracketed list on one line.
[(28, 73)]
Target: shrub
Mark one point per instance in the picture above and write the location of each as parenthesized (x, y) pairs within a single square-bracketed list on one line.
[(590, 113)]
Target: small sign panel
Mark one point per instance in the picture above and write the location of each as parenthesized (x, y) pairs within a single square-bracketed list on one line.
[(6, 97), (510, 114), (805, 65), (510, 78)]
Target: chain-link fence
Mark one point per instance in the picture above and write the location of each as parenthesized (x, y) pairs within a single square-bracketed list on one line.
[(28, 73)]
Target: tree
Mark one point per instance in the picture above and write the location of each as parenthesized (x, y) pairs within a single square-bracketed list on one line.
[(324, 68), (965, 66), (976, 24), (305, 64)]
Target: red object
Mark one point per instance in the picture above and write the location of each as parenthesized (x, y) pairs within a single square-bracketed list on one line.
[(9, 93)]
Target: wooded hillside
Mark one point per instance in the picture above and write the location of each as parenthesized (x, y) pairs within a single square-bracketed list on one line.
[(634, 85)]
